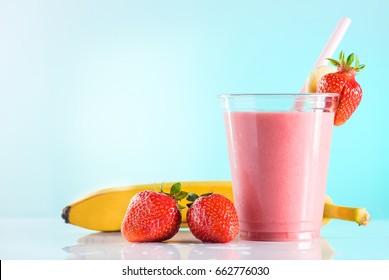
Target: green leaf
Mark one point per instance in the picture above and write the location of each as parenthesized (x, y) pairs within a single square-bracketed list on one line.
[(342, 59), (189, 205), (181, 195), (356, 62), (180, 207), (350, 59), (361, 67), (192, 197), (333, 61), (176, 188), (341, 54)]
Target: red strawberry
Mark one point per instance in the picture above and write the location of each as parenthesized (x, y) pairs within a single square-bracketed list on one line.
[(212, 218), (343, 82), (153, 216)]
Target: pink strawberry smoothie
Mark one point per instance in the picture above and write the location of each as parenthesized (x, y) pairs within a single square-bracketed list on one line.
[(279, 163)]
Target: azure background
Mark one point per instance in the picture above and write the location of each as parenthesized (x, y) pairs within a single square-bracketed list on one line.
[(97, 94)]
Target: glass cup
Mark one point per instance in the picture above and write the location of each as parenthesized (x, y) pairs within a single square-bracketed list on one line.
[(279, 150)]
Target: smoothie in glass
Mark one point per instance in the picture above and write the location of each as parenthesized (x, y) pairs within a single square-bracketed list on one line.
[(279, 156)]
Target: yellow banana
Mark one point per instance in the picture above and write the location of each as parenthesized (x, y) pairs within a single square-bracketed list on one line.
[(315, 75), (104, 210), (332, 211)]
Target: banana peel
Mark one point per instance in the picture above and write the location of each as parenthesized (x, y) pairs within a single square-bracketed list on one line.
[(104, 210)]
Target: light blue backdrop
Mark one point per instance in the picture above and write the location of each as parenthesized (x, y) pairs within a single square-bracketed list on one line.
[(98, 94)]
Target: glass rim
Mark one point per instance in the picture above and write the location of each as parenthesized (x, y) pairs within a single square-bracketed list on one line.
[(232, 95)]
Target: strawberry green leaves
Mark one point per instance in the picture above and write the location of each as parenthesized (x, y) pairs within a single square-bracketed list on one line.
[(345, 64), (192, 197), (176, 193)]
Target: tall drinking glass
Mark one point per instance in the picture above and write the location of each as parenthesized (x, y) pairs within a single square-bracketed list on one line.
[(279, 151)]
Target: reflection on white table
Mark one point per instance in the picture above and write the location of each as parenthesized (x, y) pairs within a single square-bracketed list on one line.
[(185, 247)]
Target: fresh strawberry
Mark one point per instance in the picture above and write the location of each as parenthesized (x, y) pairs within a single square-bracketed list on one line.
[(212, 218), (343, 82), (153, 216)]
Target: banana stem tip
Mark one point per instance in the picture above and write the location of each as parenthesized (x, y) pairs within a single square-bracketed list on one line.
[(65, 214)]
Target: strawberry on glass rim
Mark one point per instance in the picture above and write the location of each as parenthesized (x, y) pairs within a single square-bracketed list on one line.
[(343, 82)]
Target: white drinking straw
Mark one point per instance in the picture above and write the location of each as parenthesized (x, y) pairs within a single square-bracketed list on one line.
[(332, 43)]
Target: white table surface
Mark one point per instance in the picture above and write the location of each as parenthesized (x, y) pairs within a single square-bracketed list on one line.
[(51, 238)]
